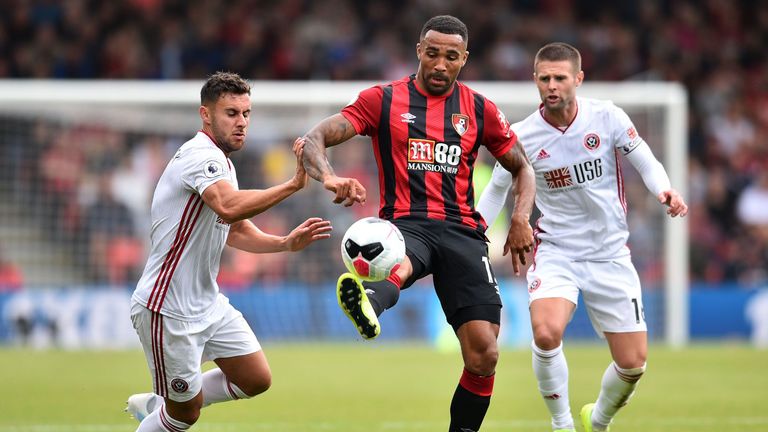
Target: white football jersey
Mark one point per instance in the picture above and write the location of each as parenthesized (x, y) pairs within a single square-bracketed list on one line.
[(187, 236), (579, 186)]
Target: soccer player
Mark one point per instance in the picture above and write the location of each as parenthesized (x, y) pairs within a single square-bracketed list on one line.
[(573, 144), (177, 310), (426, 131)]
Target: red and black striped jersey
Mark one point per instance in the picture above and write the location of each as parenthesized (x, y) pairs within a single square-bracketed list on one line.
[(426, 147)]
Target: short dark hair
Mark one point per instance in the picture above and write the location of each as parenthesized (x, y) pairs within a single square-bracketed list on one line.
[(559, 51), (222, 83), (446, 24)]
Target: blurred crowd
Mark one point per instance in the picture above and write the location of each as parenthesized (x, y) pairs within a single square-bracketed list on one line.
[(100, 188)]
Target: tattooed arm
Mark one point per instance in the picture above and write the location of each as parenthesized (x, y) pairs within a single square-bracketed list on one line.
[(520, 236), (333, 130)]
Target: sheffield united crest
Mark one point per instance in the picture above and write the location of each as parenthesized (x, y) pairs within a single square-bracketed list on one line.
[(179, 385), (592, 141)]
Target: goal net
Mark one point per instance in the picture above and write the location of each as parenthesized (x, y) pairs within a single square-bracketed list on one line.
[(79, 161)]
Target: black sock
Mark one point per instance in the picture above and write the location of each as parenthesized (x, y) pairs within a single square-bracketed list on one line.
[(470, 402), (382, 295)]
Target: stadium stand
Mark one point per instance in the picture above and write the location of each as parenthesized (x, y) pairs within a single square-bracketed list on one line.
[(76, 194)]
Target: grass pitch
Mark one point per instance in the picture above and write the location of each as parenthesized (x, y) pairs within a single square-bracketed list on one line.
[(389, 388)]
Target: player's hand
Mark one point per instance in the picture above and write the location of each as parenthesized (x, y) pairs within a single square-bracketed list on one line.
[(308, 232), (300, 178), (519, 242), (672, 199), (348, 190)]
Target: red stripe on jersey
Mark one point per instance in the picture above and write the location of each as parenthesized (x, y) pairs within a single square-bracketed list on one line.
[(463, 178), (169, 256), (620, 181), (196, 212), (536, 242), (188, 219), (433, 181), (399, 134)]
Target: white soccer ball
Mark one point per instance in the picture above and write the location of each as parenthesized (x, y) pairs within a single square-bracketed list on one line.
[(372, 248)]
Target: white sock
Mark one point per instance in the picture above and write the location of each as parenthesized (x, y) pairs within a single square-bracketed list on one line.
[(160, 421), (216, 388), (617, 387), (551, 370)]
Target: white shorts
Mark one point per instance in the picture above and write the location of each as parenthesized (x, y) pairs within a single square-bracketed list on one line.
[(610, 289), (175, 349)]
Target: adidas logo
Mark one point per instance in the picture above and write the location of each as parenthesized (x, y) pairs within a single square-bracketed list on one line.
[(542, 155)]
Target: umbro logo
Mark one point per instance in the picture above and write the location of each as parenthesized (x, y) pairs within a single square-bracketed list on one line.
[(407, 117), (542, 155)]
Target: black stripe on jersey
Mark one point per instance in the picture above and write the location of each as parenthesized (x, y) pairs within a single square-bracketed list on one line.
[(385, 153), (452, 106), (417, 129), (480, 119)]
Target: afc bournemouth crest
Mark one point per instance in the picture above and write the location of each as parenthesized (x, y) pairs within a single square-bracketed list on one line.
[(460, 123), (179, 385), (592, 141)]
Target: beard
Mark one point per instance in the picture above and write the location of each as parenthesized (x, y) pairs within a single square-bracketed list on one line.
[(226, 145), (437, 90)]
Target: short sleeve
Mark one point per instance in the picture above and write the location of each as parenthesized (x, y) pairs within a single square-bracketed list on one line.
[(202, 168), (498, 136), (626, 138), (364, 112)]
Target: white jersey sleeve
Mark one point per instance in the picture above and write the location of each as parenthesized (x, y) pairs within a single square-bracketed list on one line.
[(638, 153), (651, 170), (202, 168), (494, 195)]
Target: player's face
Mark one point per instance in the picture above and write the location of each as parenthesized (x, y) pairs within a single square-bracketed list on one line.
[(441, 57), (227, 120), (557, 82)]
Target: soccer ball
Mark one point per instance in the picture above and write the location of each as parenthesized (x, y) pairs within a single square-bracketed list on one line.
[(372, 248)]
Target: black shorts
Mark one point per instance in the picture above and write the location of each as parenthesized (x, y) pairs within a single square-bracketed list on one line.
[(457, 257)]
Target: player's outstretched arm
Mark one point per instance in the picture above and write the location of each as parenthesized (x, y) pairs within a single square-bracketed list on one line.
[(244, 235), (656, 179), (234, 205), (329, 132), (520, 236)]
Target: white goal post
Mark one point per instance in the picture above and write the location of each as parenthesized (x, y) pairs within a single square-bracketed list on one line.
[(63, 98)]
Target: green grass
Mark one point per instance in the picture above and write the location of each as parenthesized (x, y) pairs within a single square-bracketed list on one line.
[(389, 388)]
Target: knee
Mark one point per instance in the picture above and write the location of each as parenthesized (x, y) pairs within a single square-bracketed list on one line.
[(483, 361), (632, 360), (636, 364), (547, 337), (256, 385), (189, 417)]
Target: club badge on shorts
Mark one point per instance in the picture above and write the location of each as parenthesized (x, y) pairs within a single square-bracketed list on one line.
[(535, 284), (179, 385)]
